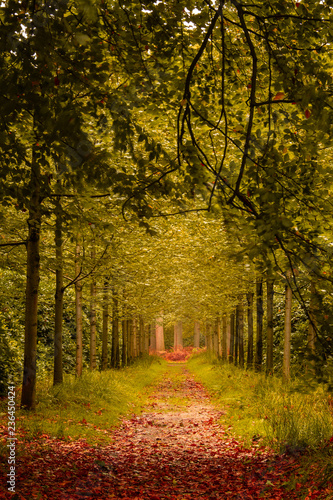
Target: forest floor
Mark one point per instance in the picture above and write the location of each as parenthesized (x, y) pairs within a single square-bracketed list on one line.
[(175, 449)]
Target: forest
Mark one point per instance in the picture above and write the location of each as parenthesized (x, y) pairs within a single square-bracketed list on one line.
[(166, 218)]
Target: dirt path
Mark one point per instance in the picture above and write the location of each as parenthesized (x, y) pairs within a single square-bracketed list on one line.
[(175, 450)]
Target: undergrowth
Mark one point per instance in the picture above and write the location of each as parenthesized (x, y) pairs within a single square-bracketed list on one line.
[(87, 407), (263, 408), (264, 412)]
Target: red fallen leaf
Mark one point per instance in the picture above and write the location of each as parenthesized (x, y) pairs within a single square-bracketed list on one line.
[(297, 4), (56, 81), (278, 96), (307, 114)]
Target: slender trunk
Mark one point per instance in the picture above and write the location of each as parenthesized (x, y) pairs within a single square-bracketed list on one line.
[(28, 399), (78, 309), (270, 332), (209, 337), (240, 334), (152, 344), (217, 338), (312, 323), (249, 361), (178, 336), (196, 342), (124, 351), (224, 339), (232, 337), (141, 335), (146, 339), (135, 338), (115, 332), (59, 298), (105, 325), (236, 336), (287, 333), (160, 335), (260, 312), (129, 329), (93, 361)]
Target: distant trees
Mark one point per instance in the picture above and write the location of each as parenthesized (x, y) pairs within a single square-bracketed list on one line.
[(111, 108)]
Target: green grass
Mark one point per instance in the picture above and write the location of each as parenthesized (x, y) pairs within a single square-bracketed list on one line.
[(89, 407), (261, 409)]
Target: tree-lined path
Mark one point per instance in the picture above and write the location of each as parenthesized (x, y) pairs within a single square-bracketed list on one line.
[(175, 449)]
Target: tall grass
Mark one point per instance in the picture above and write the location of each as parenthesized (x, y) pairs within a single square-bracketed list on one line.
[(261, 408), (90, 406)]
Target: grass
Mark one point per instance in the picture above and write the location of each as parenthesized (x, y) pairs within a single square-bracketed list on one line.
[(264, 412), (89, 407), (261, 408)]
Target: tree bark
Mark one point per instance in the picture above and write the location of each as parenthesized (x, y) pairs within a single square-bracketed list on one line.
[(160, 335), (249, 360), (240, 334), (28, 398), (105, 324), (124, 350), (224, 338), (78, 309), (59, 298), (236, 337), (260, 313), (141, 335), (178, 336), (232, 337), (115, 354), (196, 341), (152, 343), (129, 329), (287, 333), (93, 359), (270, 331), (312, 324)]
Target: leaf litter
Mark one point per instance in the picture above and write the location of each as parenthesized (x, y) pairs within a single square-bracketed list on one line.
[(176, 449)]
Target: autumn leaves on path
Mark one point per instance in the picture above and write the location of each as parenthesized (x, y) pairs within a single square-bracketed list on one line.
[(176, 449)]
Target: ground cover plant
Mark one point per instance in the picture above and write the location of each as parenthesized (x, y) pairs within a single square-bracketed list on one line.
[(178, 446), (86, 408), (291, 419)]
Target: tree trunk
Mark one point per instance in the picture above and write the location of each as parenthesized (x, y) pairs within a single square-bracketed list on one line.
[(28, 399), (160, 335), (105, 325), (146, 339), (152, 343), (93, 361), (236, 338), (217, 338), (224, 339), (312, 324), (260, 313), (240, 334), (249, 362), (129, 329), (270, 332), (196, 342), (124, 351), (209, 337), (232, 337), (78, 309), (141, 335), (287, 333), (59, 298), (115, 354), (178, 336)]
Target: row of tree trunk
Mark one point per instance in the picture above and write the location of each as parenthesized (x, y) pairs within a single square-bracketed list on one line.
[(226, 337)]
